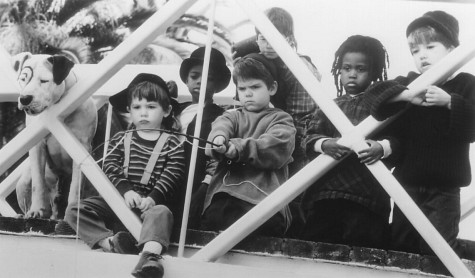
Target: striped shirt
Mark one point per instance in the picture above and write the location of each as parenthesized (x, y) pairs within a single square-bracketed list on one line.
[(165, 179)]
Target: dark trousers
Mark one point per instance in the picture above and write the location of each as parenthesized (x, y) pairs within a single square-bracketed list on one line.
[(442, 208), (225, 209), (97, 221), (342, 221)]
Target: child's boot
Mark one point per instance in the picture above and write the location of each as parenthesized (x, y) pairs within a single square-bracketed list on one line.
[(149, 266), (124, 243)]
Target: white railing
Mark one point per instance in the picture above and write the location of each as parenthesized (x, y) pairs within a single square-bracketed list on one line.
[(51, 121)]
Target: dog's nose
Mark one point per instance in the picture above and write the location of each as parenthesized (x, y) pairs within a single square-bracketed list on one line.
[(25, 100)]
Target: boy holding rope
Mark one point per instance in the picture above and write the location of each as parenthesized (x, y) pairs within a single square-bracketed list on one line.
[(255, 147)]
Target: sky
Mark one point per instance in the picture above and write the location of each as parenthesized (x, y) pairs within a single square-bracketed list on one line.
[(322, 25)]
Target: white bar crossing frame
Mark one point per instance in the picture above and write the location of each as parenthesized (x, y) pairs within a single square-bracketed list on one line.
[(51, 121)]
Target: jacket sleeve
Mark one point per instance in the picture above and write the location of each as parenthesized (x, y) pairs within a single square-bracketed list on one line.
[(462, 112), (166, 187), (377, 95), (318, 128), (273, 148), (222, 126), (113, 164)]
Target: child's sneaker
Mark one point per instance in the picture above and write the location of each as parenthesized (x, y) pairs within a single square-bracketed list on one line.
[(124, 243), (149, 266)]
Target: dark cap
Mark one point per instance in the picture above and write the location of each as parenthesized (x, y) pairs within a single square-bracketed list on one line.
[(441, 21), (119, 100), (217, 64)]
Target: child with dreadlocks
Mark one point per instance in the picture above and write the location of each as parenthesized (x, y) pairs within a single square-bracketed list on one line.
[(146, 165), (347, 205)]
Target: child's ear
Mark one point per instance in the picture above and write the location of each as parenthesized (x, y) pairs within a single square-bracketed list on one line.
[(273, 88), (128, 108), (167, 111)]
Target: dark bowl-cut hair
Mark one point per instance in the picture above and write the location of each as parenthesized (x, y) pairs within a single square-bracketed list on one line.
[(249, 68), (152, 92)]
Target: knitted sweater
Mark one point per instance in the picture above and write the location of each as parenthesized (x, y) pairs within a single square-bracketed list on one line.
[(167, 174), (435, 140), (264, 141), (350, 179)]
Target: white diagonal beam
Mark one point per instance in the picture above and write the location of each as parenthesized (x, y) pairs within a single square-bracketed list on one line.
[(95, 175), (128, 49), (241, 229)]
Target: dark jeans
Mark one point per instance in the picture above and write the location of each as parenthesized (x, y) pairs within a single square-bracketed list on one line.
[(224, 210), (441, 207), (342, 221), (97, 221)]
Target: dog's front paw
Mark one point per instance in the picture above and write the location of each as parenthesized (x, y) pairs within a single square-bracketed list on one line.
[(38, 213)]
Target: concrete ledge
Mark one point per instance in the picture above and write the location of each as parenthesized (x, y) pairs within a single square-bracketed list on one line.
[(285, 247)]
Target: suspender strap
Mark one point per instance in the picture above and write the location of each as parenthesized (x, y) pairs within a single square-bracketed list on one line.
[(127, 140), (153, 158)]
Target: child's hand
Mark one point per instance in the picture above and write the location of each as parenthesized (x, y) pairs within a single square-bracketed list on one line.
[(435, 96), (333, 149), (220, 141), (132, 199), (172, 88), (147, 203), (231, 152), (371, 154)]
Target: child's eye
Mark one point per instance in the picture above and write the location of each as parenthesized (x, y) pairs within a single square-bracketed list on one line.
[(361, 69), (345, 68), (195, 76)]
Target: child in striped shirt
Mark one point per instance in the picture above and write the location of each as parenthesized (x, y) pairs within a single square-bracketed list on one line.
[(146, 166)]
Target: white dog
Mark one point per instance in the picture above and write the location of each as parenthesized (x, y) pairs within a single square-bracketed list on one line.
[(42, 189)]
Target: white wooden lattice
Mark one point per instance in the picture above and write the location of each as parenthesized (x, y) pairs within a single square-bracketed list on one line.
[(51, 121)]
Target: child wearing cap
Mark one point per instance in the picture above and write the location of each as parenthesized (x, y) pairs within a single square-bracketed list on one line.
[(146, 165), (219, 76), (253, 145), (435, 133)]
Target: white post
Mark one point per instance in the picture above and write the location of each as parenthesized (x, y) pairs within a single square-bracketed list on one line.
[(107, 132), (199, 118)]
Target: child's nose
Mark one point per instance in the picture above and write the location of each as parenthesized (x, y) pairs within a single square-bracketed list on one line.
[(248, 93)]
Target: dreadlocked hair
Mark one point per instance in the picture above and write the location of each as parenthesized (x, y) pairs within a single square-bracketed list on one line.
[(378, 58)]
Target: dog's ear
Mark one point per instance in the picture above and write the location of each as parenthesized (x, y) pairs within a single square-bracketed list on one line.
[(19, 60), (61, 67)]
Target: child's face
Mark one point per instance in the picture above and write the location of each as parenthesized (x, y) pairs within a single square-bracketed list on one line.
[(354, 73), (254, 94), (147, 114), (193, 82), (427, 54), (265, 48)]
